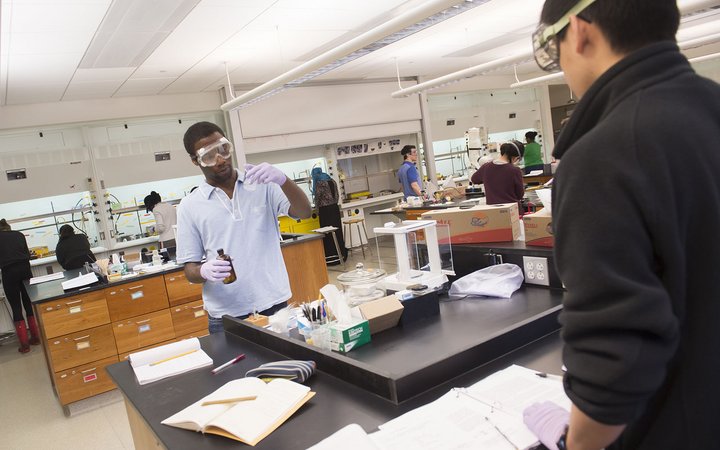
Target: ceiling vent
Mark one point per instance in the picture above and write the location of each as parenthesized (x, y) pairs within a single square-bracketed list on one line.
[(132, 30)]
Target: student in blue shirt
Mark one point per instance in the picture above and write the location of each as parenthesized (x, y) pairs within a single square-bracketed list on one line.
[(237, 212), (408, 174)]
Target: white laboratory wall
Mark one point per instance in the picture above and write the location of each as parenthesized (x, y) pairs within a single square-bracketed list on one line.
[(316, 115)]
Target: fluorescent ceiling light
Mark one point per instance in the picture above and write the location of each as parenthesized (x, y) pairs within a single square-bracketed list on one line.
[(417, 19), (692, 43), (132, 29), (480, 69), (691, 9)]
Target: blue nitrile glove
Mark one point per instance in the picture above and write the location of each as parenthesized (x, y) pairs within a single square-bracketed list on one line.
[(547, 421), (215, 269), (264, 173)]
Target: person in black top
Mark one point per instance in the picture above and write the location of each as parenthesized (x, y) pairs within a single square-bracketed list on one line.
[(635, 218), (15, 266), (326, 197), (73, 250)]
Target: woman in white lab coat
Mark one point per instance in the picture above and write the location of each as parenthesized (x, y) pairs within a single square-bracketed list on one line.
[(165, 217)]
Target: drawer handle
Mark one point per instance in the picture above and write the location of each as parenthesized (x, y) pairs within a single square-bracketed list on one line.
[(171, 279), (198, 306), (73, 302), (142, 321), (81, 338), (136, 287), (88, 370)]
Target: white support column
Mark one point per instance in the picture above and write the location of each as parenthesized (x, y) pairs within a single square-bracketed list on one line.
[(429, 153), (548, 137)]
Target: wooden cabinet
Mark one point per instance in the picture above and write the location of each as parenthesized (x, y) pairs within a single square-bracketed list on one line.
[(81, 347), (189, 317), (74, 313), (180, 290), (305, 263), (142, 331), (84, 381), (135, 298)]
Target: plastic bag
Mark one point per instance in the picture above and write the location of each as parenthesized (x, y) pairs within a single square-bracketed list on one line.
[(500, 280)]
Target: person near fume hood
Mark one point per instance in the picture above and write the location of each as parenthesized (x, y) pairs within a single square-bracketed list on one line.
[(165, 218)]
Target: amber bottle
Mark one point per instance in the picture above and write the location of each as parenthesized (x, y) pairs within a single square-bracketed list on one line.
[(232, 277)]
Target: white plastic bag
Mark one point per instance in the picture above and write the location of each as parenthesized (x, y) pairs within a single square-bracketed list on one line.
[(500, 280)]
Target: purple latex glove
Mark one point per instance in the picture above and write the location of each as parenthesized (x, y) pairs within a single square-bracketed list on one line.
[(264, 173), (547, 421), (215, 269)]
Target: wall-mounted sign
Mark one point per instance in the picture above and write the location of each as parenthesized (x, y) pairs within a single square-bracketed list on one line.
[(162, 156), (16, 174)]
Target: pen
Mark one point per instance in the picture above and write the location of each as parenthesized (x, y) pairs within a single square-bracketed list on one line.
[(172, 357), (218, 369), (228, 400)]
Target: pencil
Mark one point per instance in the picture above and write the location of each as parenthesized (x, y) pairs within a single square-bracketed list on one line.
[(229, 400), (172, 357)]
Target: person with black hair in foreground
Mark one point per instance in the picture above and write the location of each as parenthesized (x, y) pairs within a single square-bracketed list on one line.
[(501, 178), (15, 267), (73, 250), (635, 218)]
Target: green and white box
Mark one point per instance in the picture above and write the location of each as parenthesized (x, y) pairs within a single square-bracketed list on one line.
[(346, 337)]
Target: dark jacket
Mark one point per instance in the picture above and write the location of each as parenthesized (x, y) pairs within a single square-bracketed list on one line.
[(636, 216), (73, 252), (13, 248)]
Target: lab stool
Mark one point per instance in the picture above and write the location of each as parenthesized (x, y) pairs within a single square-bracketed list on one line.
[(333, 232), (360, 225)]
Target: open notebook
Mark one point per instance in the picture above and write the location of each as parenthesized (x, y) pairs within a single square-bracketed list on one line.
[(168, 360), (247, 421)]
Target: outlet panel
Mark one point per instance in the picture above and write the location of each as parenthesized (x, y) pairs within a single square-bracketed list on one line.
[(536, 270)]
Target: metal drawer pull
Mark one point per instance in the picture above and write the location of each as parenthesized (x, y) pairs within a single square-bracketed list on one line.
[(142, 321), (72, 303), (171, 279), (82, 337), (136, 287), (88, 370)]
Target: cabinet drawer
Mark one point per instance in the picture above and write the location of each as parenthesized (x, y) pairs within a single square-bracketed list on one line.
[(142, 331), (124, 356), (73, 313), (189, 317), (84, 381), (180, 290), (195, 334), (133, 299), (82, 347)]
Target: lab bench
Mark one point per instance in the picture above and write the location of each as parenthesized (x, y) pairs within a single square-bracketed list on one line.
[(83, 331), (469, 340)]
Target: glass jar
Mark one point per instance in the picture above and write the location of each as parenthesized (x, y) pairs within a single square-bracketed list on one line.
[(360, 285)]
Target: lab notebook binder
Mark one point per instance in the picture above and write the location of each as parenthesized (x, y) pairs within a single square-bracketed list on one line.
[(245, 409), (168, 360)]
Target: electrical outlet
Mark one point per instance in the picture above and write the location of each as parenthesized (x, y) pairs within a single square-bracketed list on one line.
[(536, 270)]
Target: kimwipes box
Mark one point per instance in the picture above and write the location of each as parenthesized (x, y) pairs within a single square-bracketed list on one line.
[(481, 223), (538, 229), (382, 313), (345, 337)]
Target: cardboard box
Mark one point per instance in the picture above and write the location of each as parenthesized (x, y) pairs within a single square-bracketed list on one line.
[(346, 337), (382, 313), (538, 229), (481, 223)]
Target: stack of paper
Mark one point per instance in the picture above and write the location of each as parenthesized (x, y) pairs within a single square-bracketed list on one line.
[(168, 360), (80, 281), (487, 415)]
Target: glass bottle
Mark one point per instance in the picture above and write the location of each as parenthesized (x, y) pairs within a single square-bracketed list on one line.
[(232, 277)]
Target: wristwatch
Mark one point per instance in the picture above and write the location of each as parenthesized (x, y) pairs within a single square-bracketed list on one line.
[(562, 442)]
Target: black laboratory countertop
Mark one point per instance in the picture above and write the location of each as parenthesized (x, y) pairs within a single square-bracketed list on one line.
[(469, 340)]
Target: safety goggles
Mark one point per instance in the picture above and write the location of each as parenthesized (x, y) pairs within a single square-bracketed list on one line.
[(546, 43), (207, 156)]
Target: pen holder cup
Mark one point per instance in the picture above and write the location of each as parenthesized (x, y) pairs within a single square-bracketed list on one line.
[(321, 337)]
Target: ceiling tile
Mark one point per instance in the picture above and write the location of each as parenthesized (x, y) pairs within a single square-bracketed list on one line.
[(142, 86)]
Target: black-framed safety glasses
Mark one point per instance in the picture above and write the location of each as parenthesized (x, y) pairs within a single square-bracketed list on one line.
[(546, 40)]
